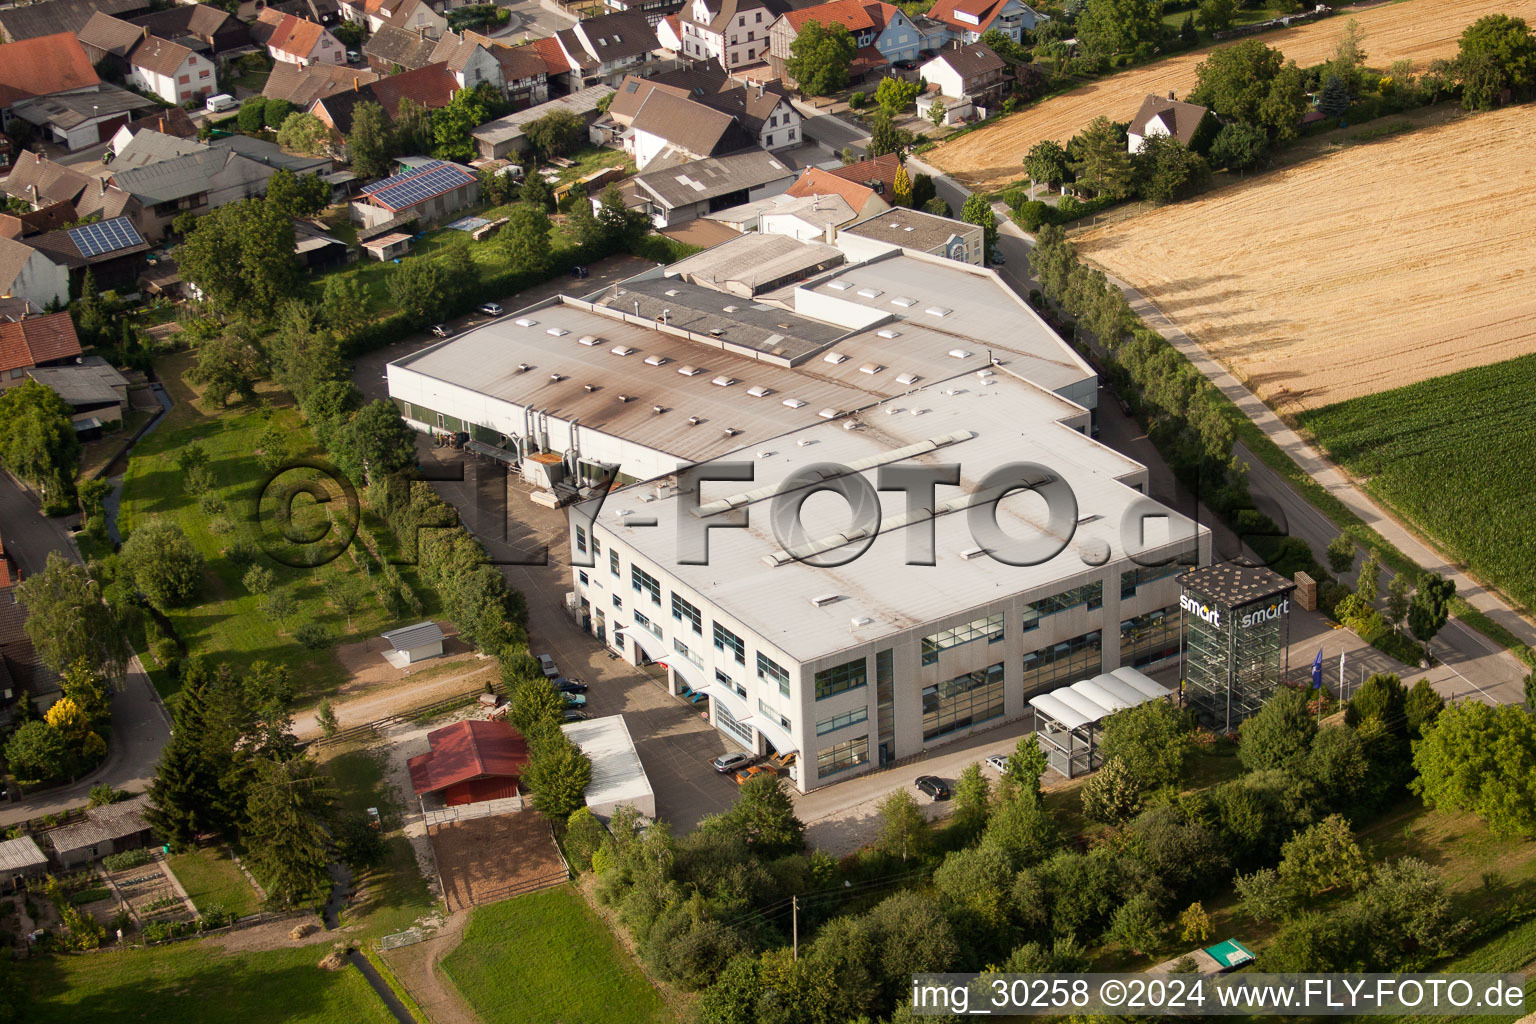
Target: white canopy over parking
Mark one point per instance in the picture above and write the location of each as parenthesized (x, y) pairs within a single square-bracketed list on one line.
[(643, 640), (1067, 719)]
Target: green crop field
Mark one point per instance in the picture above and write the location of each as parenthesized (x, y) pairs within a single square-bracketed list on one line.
[(193, 982), (575, 971), (1456, 457)]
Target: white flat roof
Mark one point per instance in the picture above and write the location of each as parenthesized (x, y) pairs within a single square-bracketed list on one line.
[(618, 777), (878, 593)]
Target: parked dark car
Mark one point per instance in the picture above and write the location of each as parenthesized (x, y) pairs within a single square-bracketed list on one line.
[(574, 700), (933, 786), (572, 715), (570, 685), (907, 65), (579, 272), (731, 762)]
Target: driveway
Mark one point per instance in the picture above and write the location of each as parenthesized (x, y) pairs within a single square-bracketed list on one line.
[(674, 741)]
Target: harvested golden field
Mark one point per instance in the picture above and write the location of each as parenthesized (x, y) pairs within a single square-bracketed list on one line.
[(1369, 269), (1420, 31)]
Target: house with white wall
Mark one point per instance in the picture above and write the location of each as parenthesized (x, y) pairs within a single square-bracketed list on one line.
[(969, 20), (875, 26), (733, 32), (296, 40), (171, 71)]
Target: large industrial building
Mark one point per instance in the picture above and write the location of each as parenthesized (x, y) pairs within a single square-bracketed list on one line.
[(916, 625)]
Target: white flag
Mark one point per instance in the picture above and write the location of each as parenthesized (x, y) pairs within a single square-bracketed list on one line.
[(1341, 671)]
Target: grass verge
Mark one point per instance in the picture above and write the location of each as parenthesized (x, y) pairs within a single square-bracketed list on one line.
[(577, 967), (393, 895), (213, 879), (194, 982)]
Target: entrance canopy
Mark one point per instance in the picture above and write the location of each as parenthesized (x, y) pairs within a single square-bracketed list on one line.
[(773, 732), (1067, 719)]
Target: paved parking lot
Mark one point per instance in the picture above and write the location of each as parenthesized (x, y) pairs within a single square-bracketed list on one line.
[(674, 741)]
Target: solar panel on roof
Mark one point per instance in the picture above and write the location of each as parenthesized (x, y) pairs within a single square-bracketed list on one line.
[(105, 236), (423, 185)]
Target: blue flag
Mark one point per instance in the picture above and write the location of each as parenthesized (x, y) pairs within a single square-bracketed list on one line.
[(1317, 670)]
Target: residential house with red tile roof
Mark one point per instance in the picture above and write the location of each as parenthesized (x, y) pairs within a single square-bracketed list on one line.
[(968, 20), (669, 33), (43, 66), (878, 174), (431, 87), (296, 40), (814, 181), (48, 340), (878, 28), (524, 75)]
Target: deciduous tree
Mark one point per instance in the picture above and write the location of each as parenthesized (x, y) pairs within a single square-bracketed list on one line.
[(895, 95), (820, 56), (525, 238), (558, 133), (1482, 760), (1153, 741), (241, 257), (1323, 858), (68, 623), (37, 752), (904, 832), (1107, 27), (978, 211), (37, 439), (304, 133), (420, 289), (377, 442), (1253, 83), (163, 563), (1497, 52), (1046, 163), (369, 144), (1280, 735)]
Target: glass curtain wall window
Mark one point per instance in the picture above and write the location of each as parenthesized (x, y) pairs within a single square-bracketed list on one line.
[(842, 756), (1081, 657), (962, 701), (989, 628), (841, 678), (1090, 594), (770, 671)]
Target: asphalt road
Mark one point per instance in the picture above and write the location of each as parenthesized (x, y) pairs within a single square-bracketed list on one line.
[(140, 727), (532, 19)]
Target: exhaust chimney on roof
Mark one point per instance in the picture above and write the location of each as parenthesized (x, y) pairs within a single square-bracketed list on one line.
[(1170, 94)]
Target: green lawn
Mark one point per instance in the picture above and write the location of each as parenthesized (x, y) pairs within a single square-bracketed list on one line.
[(1456, 457), (195, 982), (393, 895), (595, 158), (225, 621), (212, 879), (573, 971)]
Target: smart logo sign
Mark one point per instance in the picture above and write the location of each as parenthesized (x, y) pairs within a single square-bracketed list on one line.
[(1267, 614), (1204, 612)]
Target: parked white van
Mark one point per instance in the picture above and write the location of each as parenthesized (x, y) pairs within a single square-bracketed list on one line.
[(221, 101)]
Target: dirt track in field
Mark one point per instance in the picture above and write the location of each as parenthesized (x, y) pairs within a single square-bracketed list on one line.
[(1420, 31), (1375, 267)]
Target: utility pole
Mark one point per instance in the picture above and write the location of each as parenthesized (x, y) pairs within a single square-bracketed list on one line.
[(794, 927)]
